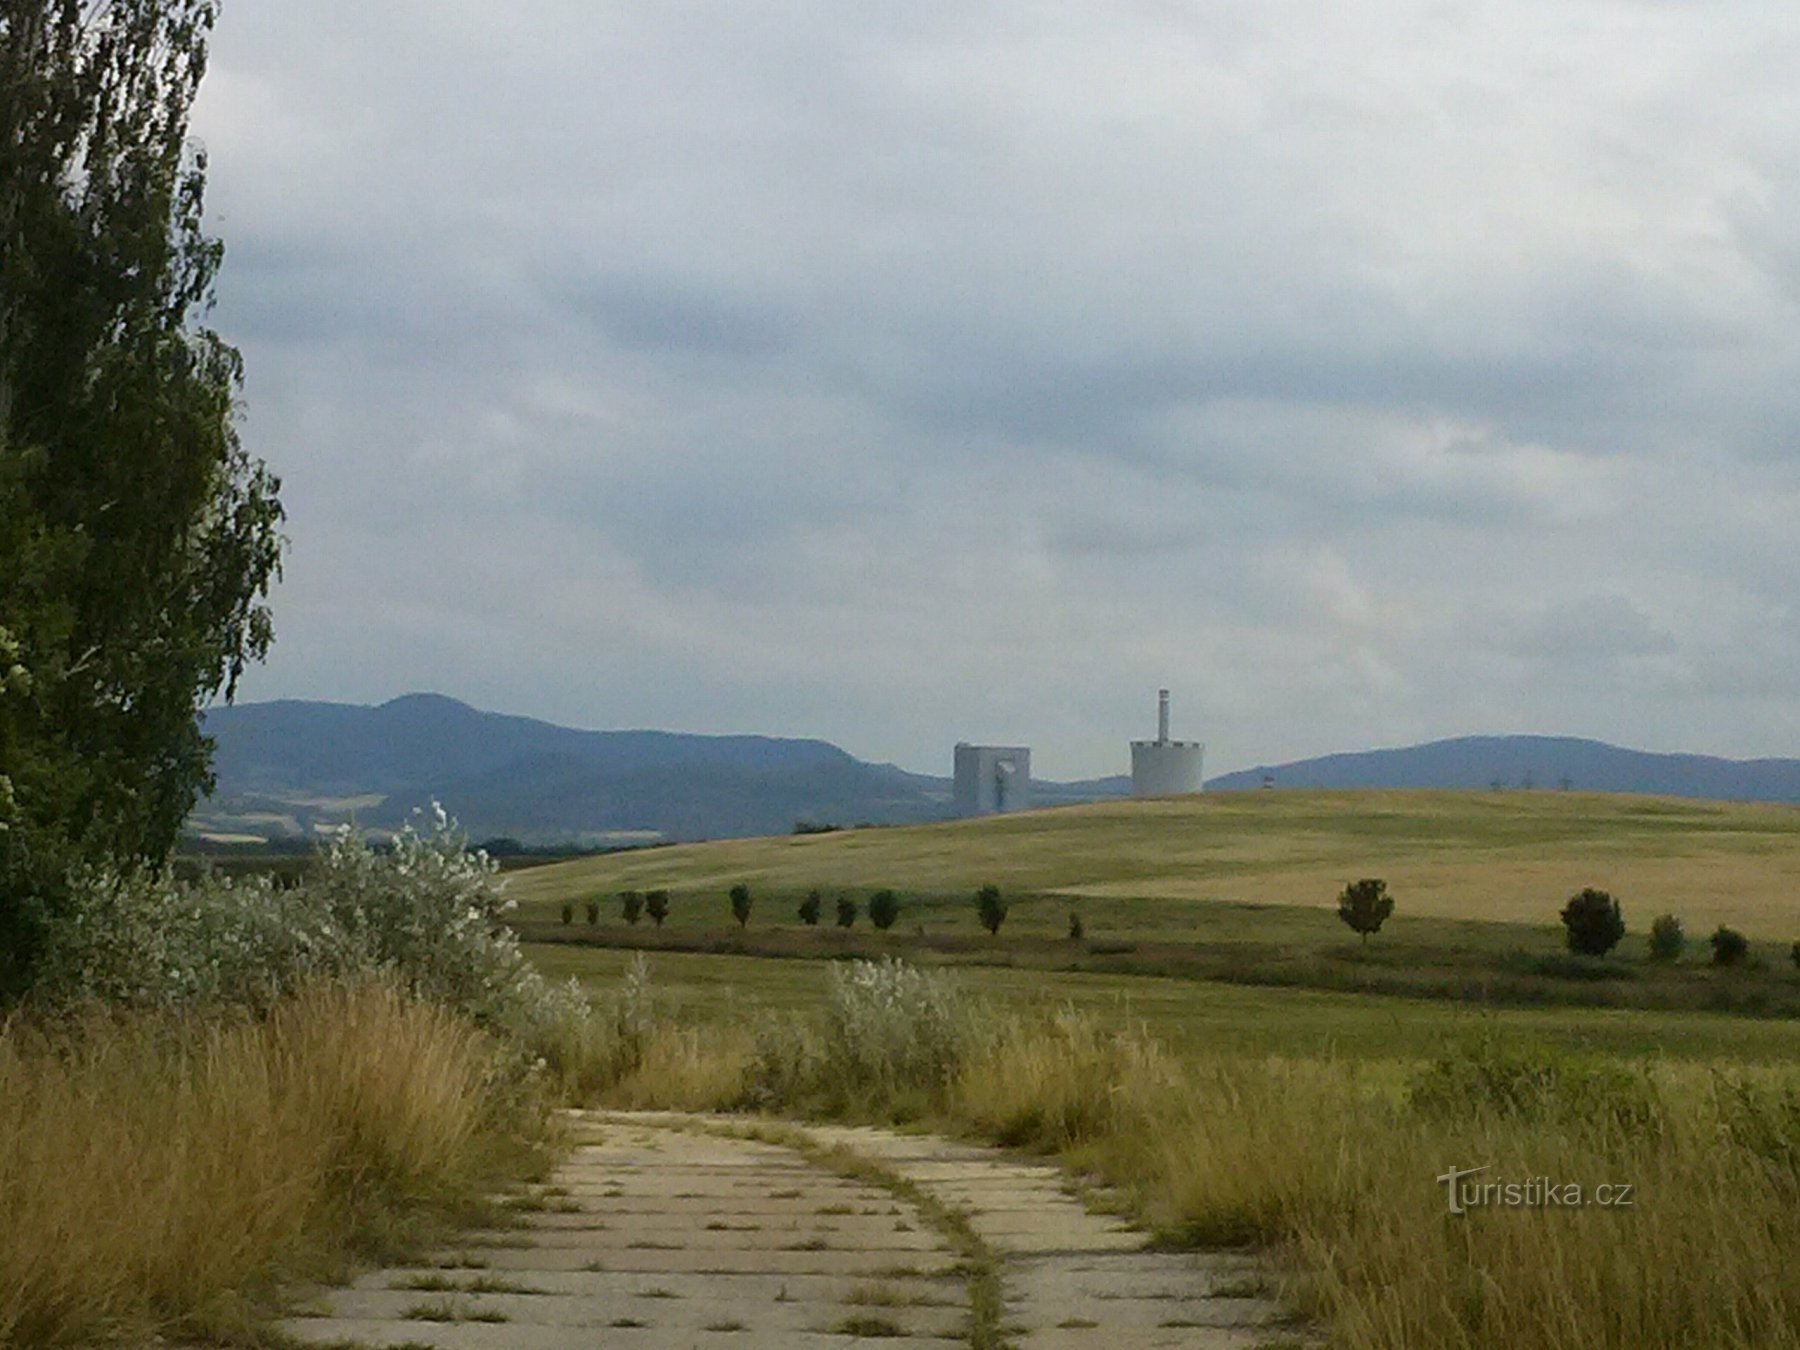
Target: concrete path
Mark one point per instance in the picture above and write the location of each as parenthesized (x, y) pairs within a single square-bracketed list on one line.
[(667, 1231)]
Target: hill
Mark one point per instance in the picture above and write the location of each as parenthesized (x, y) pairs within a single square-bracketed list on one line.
[(1150, 867), (289, 767), (1533, 761)]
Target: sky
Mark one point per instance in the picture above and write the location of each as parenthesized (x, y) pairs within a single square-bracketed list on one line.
[(1363, 371)]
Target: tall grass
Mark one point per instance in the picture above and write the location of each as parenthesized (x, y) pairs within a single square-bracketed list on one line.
[(159, 1171), (1334, 1164)]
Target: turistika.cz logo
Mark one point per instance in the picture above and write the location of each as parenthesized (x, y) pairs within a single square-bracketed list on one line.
[(1465, 1193)]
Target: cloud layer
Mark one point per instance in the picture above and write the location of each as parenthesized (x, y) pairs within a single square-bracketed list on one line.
[(902, 374)]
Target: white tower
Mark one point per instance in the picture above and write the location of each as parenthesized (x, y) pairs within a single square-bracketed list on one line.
[(1162, 767)]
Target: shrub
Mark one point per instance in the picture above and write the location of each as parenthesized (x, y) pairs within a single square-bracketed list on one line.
[(740, 904), (1364, 906), (1075, 929), (656, 905), (1593, 921), (810, 909), (846, 911), (893, 1024), (1666, 938), (425, 911), (568, 913), (884, 908), (631, 905), (1794, 952), (593, 912), (990, 908), (1729, 947)]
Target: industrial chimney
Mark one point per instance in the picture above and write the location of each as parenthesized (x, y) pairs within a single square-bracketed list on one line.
[(1162, 767)]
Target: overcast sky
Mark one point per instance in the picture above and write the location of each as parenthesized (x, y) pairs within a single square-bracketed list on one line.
[(1365, 371)]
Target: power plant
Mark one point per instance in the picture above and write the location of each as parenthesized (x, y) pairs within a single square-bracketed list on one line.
[(992, 778), (1162, 767)]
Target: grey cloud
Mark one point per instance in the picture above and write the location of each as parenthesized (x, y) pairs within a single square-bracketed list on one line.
[(887, 372)]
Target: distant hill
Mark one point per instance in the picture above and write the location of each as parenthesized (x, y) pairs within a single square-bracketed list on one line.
[(288, 769), (1533, 761)]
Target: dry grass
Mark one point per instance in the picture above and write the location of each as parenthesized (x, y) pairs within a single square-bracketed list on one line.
[(158, 1173), (1335, 1162), (1512, 857)]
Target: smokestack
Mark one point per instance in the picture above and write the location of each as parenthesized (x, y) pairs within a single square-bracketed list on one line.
[(1162, 716)]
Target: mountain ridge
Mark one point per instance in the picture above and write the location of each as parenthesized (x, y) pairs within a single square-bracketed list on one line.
[(292, 767)]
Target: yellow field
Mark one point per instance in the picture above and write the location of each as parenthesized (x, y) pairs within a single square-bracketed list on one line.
[(1499, 856)]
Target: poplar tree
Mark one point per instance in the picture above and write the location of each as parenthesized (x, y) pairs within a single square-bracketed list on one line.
[(138, 538)]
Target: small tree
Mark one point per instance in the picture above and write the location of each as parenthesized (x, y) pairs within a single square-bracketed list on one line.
[(593, 912), (810, 909), (1730, 947), (656, 905), (1075, 929), (568, 913), (846, 911), (1593, 921), (1364, 905), (1794, 952), (631, 903), (1666, 938), (990, 908), (740, 904), (884, 908)]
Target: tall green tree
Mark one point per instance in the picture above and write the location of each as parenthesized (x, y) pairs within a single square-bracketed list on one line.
[(138, 538)]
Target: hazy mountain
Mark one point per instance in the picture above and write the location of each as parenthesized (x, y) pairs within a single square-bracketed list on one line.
[(1533, 761), (289, 766)]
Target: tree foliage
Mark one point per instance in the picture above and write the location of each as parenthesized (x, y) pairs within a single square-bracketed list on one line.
[(846, 912), (656, 905), (631, 905), (1594, 922), (1666, 938), (740, 904), (1729, 947), (990, 908), (137, 536), (1365, 905), (810, 909), (884, 909)]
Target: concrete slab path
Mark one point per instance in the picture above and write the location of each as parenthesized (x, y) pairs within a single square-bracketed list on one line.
[(665, 1231)]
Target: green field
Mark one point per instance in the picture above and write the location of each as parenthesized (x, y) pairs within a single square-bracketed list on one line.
[(1509, 857), (1195, 1017), (1241, 889)]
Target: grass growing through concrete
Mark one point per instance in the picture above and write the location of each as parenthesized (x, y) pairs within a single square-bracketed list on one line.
[(1335, 1162)]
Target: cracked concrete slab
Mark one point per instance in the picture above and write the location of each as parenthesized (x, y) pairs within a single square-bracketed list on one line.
[(661, 1232)]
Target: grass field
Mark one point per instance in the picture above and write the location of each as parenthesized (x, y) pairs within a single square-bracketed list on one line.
[(1194, 1016), (1507, 857)]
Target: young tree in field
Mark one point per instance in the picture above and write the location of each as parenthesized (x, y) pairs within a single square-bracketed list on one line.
[(631, 905), (990, 908), (656, 905), (137, 537), (593, 912), (1794, 952), (1730, 947), (811, 908), (740, 904), (1075, 928), (846, 911), (884, 908), (1594, 922), (1666, 938), (1365, 905)]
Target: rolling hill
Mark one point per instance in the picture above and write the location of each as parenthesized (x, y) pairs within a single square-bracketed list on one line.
[(289, 768)]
